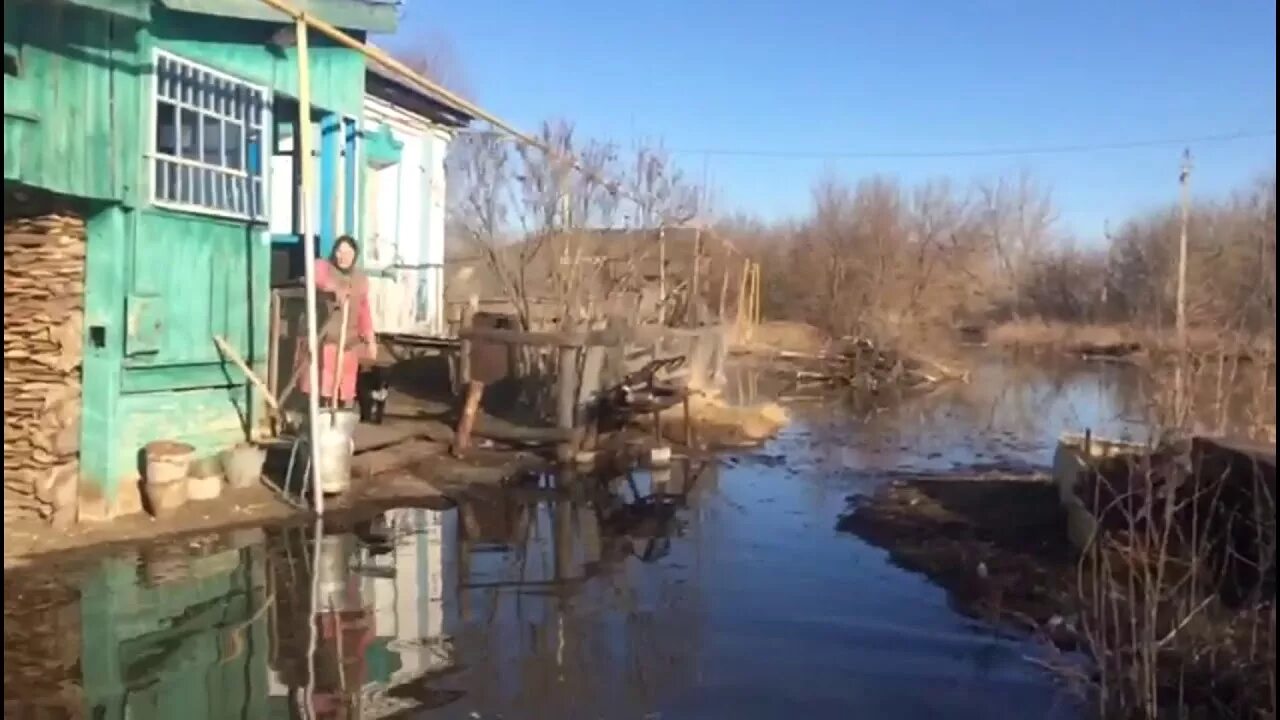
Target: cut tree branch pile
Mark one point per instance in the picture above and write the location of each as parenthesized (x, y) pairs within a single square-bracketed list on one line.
[(862, 364)]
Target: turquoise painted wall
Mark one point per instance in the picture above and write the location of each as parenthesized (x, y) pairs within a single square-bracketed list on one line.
[(71, 109), (243, 48), (160, 284)]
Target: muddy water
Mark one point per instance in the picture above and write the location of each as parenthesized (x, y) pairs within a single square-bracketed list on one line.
[(719, 590)]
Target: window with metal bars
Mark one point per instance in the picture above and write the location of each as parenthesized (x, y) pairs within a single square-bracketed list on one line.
[(208, 142)]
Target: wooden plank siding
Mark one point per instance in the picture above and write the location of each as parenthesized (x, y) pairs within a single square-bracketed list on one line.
[(160, 283), (71, 122), (244, 48)]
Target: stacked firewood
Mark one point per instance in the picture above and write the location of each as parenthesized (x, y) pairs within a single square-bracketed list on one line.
[(44, 273)]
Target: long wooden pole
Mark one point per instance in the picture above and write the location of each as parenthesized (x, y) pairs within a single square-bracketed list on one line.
[(305, 198), (1184, 178), (239, 362), (662, 276), (757, 305), (340, 355), (695, 291), (724, 291)]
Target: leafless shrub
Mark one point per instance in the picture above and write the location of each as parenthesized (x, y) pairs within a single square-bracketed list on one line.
[(875, 258), (1177, 586)]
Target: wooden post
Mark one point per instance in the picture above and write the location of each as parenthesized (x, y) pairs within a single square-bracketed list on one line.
[(724, 291), (688, 423), (336, 399), (695, 299), (757, 305), (1184, 177), (470, 407), (662, 276), (464, 349), (566, 398)]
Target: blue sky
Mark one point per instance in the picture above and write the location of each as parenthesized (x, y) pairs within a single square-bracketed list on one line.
[(827, 77)]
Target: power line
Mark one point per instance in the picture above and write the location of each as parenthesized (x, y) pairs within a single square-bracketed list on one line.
[(988, 152)]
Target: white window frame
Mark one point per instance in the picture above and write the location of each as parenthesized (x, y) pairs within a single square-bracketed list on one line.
[(233, 180)]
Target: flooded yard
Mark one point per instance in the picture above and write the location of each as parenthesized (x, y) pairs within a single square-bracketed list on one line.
[(713, 589)]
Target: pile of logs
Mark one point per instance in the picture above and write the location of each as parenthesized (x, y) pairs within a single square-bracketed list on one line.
[(44, 273), (865, 365)]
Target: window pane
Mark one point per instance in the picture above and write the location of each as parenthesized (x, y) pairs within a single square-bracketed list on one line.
[(255, 108), (171, 180), (184, 184), (226, 188), (161, 181), (166, 131), (206, 189), (190, 130), (164, 85), (253, 154), (234, 152), (206, 91), (221, 91), (183, 81), (256, 210), (212, 140), (207, 131)]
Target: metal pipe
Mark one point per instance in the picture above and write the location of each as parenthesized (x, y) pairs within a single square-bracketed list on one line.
[(305, 197)]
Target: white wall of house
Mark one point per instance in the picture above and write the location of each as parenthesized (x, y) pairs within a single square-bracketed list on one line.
[(404, 224)]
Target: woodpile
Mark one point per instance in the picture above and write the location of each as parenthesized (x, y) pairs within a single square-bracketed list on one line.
[(44, 274)]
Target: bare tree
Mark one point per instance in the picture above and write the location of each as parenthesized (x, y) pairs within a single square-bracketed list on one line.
[(1017, 215), (435, 56)]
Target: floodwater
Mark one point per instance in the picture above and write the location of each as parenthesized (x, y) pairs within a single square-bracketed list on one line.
[(719, 590)]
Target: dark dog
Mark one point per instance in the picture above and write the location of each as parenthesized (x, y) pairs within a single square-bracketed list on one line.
[(371, 391)]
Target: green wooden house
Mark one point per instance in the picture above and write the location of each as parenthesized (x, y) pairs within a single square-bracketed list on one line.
[(167, 123)]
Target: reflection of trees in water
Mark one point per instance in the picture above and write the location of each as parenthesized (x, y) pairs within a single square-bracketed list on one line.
[(1013, 409), (572, 618)]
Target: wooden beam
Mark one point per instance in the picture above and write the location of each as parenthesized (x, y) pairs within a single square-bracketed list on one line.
[(462, 438), (566, 398)]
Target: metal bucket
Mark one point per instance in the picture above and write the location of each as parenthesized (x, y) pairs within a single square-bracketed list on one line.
[(334, 574), (335, 440)]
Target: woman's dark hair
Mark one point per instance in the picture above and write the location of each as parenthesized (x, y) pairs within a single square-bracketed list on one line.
[(345, 240)]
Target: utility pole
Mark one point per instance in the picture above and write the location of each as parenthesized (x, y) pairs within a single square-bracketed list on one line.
[(1184, 179)]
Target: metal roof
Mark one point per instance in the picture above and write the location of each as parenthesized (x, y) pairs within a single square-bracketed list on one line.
[(376, 16), (391, 86)]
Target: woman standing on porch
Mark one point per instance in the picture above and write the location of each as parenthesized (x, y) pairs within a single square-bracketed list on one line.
[(338, 280)]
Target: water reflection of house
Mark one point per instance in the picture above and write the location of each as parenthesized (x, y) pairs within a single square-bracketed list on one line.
[(380, 616), (409, 599), (176, 634)]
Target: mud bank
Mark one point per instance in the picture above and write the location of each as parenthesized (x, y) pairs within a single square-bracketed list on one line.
[(999, 546), (1001, 549), (423, 480)]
